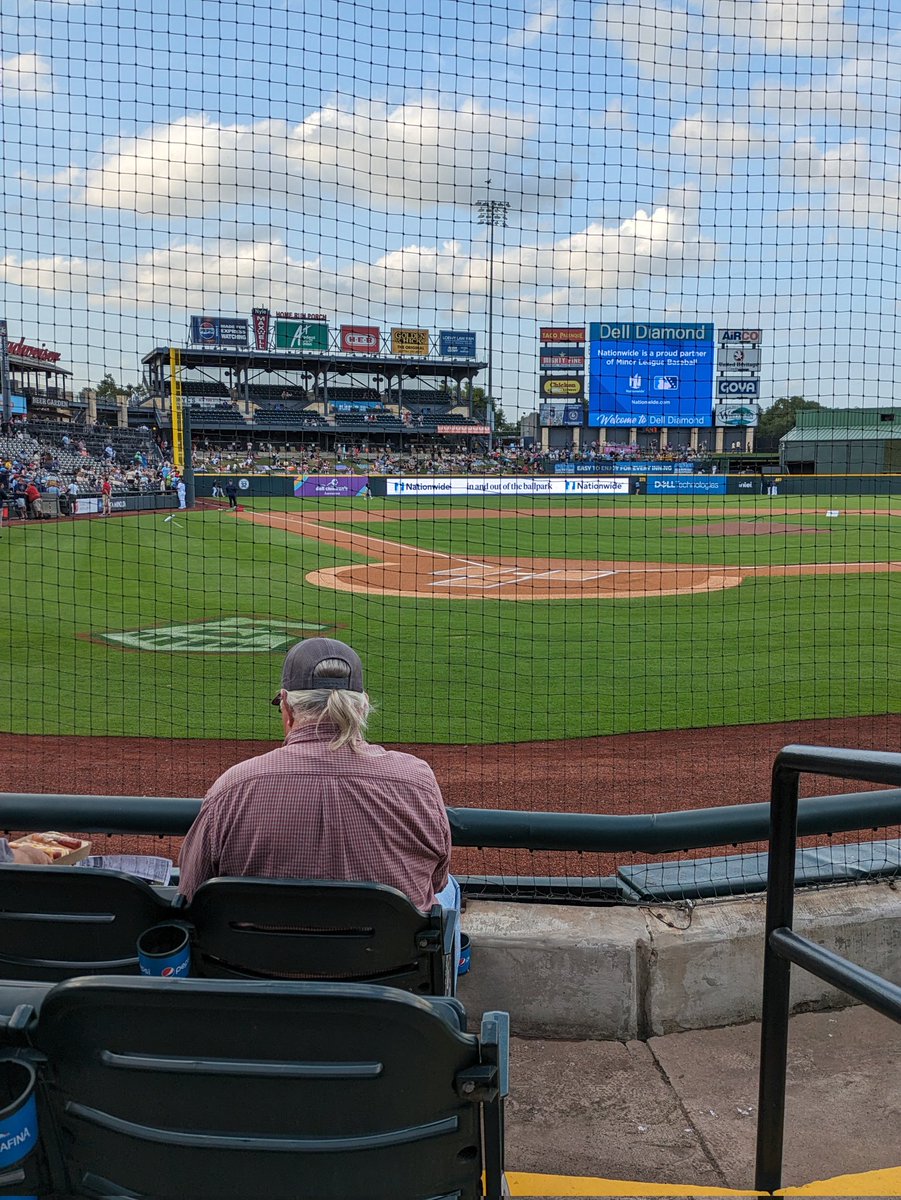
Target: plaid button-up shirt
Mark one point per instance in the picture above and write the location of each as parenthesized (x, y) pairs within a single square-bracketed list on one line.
[(305, 811)]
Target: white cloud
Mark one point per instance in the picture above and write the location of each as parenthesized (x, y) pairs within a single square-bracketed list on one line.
[(25, 75), (713, 144), (699, 46), (536, 26), (847, 185), (863, 92), (600, 262), (410, 156)]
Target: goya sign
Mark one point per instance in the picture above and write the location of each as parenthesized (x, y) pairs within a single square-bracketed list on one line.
[(229, 635)]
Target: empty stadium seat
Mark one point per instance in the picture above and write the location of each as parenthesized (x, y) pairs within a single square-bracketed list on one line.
[(60, 922), (220, 1089), (273, 928)]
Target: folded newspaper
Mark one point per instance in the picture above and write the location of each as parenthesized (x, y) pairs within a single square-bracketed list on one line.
[(144, 866)]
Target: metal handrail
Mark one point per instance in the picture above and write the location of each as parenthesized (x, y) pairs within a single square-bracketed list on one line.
[(646, 833), (784, 947)]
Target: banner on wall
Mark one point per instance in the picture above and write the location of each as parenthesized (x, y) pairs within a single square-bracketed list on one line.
[(360, 339), (218, 331), (260, 319), (308, 486), (456, 344), (683, 485), (410, 341), (476, 485), (301, 335)]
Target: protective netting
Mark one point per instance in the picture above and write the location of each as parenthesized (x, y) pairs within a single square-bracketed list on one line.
[(546, 353)]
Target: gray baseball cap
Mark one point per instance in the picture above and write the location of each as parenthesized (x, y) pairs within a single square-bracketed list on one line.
[(303, 658)]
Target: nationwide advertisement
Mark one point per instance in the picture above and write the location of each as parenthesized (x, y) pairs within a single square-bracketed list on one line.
[(683, 485), (456, 344), (571, 386), (260, 319), (642, 373), (560, 414), (737, 416), (474, 485), (307, 486), (410, 341), (552, 358), (218, 331), (301, 335), (569, 334), (360, 339)]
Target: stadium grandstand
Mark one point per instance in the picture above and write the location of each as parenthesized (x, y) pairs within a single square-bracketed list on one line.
[(450, 560)]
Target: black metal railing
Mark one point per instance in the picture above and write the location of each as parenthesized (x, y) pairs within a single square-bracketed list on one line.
[(783, 946), (645, 833)]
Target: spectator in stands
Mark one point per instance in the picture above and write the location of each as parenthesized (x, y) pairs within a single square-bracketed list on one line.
[(33, 501), (28, 856), (327, 804)]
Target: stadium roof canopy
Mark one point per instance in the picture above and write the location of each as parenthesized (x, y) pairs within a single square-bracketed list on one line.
[(198, 358), (843, 433)]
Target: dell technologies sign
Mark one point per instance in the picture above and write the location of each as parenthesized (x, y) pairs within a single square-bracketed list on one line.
[(646, 374), (686, 485)]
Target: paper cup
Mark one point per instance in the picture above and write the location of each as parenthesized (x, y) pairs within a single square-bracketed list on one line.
[(165, 951), (18, 1113)]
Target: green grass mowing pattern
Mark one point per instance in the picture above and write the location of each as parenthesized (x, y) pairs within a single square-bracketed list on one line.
[(475, 671), (850, 538)]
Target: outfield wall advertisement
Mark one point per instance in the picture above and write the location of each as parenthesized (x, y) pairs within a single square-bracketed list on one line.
[(687, 485), (651, 375), (484, 486)]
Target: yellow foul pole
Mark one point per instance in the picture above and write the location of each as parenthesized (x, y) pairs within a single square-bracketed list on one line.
[(178, 440)]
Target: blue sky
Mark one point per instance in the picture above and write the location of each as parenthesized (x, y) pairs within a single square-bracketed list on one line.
[(734, 161)]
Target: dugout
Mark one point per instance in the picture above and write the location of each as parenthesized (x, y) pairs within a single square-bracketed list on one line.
[(850, 441)]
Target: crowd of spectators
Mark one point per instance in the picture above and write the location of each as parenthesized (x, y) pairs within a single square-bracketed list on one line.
[(59, 463)]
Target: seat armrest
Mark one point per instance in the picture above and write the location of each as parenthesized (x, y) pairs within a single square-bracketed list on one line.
[(451, 1009), (495, 1032)]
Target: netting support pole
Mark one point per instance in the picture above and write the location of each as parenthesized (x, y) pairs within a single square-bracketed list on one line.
[(4, 373), (188, 471)]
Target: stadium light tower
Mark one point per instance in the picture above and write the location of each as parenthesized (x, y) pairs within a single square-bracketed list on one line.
[(492, 213)]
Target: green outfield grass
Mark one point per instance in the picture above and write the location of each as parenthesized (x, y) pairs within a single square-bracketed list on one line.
[(446, 671)]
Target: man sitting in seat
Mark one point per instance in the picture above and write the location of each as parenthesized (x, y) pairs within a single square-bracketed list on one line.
[(327, 804)]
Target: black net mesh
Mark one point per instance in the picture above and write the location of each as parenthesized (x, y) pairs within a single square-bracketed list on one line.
[(545, 353)]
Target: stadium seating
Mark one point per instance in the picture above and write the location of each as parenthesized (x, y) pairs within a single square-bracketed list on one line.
[(59, 922), (273, 928), (211, 1088)]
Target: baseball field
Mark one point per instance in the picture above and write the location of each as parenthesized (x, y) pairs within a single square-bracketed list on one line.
[(633, 653)]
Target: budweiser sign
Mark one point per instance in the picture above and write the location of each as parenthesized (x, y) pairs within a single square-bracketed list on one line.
[(360, 339), (23, 350)]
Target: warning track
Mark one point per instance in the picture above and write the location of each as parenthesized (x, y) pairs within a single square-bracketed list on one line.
[(399, 569)]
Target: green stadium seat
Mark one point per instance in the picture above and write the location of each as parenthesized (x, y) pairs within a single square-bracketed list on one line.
[(322, 930), (213, 1088), (61, 922)]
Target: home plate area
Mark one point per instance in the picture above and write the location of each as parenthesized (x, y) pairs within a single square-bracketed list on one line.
[(423, 574)]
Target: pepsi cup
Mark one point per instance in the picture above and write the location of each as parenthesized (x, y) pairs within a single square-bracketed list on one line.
[(165, 951), (465, 954), (18, 1113)]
